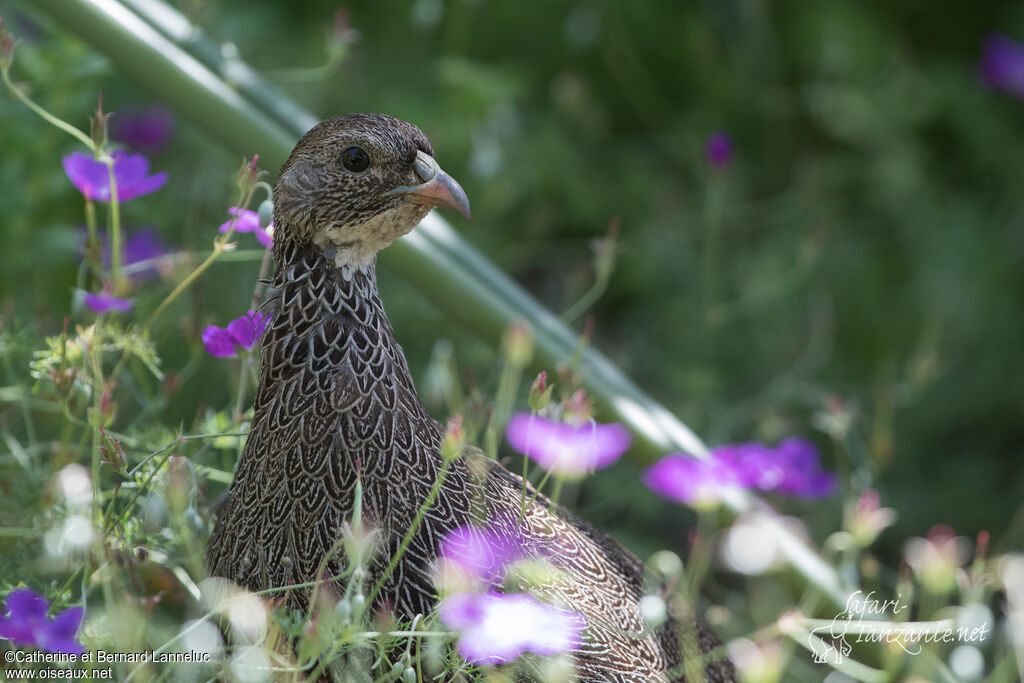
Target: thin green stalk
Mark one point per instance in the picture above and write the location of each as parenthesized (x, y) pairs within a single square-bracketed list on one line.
[(590, 297), (96, 360), (219, 246), (90, 222), (114, 224), (46, 116), (428, 502), (556, 492), (504, 401)]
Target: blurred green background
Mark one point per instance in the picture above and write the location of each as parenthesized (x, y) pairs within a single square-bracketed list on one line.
[(854, 274)]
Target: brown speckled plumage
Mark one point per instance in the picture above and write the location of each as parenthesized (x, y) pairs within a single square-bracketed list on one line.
[(336, 401)]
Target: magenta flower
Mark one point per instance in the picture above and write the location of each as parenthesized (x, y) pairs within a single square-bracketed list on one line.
[(144, 130), (25, 623), (480, 553), (1002, 65), (105, 303), (564, 449), (792, 468), (684, 479), (249, 221), (497, 628), (142, 245), (718, 149), (244, 332), (131, 172)]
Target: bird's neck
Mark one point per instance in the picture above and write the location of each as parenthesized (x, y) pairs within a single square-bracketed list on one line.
[(329, 324)]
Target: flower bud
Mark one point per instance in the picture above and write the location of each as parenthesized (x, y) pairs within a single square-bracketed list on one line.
[(518, 344), (266, 213), (249, 175), (343, 610), (6, 47), (409, 675), (540, 392), (454, 439), (578, 408), (98, 124)]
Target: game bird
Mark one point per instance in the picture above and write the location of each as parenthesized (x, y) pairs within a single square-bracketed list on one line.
[(336, 404)]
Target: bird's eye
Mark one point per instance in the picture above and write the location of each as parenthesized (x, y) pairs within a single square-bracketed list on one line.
[(355, 159)]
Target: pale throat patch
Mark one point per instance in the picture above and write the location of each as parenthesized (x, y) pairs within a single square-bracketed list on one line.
[(355, 247)]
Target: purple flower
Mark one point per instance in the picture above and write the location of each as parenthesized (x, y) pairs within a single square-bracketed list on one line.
[(480, 553), (243, 332), (497, 628), (564, 449), (144, 130), (718, 149), (104, 303), (1002, 65), (25, 623), (249, 221), (792, 468), (684, 479), (142, 245), (131, 172)]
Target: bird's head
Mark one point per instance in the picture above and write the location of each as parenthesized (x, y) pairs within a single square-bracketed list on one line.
[(355, 183)]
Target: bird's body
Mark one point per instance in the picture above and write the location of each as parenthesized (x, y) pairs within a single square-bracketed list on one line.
[(336, 404)]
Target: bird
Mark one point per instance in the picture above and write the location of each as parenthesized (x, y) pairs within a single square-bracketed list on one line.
[(336, 409)]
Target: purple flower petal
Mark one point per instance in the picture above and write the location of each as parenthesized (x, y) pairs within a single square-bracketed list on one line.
[(691, 481), (218, 342), (249, 221), (718, 149), (482, 553), (564, 449), (247, 330), (498, 628), (142, 245), (130, 172), (1002, 65), (26, 624), (59, 634), (264, 237), (793, 468), (88, 175), (26, 609), (242, 332), (144, 130), (104, 303)]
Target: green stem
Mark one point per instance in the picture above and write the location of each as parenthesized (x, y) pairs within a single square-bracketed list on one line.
[(90, 222), (508, 385), (115, 224), (589, 298), (95, 361), (219, 245), (46, 116), (556, 493), (428, 502)]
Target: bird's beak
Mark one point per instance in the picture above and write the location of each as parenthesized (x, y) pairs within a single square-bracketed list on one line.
[(438, 188)]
